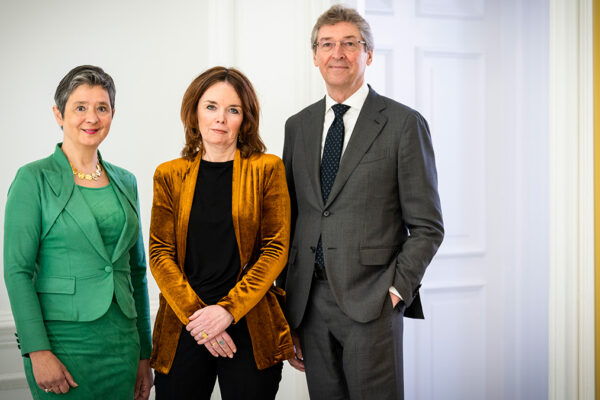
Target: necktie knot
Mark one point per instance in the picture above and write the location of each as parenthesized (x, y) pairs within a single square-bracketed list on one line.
[(339, 110)]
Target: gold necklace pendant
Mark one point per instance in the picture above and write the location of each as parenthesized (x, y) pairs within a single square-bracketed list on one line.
[(90, 177)]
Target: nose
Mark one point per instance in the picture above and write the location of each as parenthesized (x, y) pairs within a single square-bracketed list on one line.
[(91, 116), (221, 116), (337, 50)]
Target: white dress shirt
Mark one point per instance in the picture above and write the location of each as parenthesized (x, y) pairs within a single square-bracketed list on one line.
[(355, 102)]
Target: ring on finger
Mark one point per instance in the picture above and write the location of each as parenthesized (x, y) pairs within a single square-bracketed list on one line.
[(221, 342), (204, 334), (213, 344), (46, 390)]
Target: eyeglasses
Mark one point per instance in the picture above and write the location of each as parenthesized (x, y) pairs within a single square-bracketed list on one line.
[(347, 45)]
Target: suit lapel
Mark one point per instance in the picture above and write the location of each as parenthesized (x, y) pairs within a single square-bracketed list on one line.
[(71, 200), (236, 196), (186, 198), (369, 124), (80, 211), (129, 205), (312, 132), (62, 186)]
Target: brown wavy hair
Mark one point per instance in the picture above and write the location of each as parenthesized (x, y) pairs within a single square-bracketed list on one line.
[(248, 141)]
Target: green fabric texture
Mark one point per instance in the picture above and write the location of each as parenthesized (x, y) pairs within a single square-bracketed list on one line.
[(102, 357), (108, 213), (56, 266)]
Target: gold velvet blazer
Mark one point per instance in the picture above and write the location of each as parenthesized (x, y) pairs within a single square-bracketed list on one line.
[(260, 207)]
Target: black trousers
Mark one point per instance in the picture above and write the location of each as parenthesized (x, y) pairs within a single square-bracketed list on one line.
[(346, 359), (194, 371)]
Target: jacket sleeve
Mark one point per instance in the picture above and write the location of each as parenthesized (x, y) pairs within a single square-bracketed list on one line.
[(420, 202), (288, 151), (169, 276), (22, 231), (272, 247), (137, 262)]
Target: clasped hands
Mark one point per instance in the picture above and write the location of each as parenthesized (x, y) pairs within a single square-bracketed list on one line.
[(207, 326)]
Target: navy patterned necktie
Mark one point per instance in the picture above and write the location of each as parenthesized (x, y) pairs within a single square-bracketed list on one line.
[(330, 163), (332, 151)]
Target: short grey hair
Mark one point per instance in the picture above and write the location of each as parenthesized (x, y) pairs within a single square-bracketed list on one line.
[(83, 75), (339, 13)]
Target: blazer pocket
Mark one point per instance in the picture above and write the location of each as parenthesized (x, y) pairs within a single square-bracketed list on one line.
[(55, 284), (380, 256)]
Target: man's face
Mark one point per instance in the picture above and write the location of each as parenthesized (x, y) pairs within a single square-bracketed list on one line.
[(342, 70)]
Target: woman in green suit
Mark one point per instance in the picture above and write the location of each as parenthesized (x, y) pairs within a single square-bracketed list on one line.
[(74, 263)]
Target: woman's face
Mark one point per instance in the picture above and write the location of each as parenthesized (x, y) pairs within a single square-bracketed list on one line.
[(220, 116), (87, 117)]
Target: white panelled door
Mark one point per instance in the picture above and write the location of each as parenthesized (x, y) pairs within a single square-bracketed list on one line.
[(446, 59)]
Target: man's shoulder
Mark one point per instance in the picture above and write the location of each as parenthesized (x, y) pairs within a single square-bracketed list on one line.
[(391, 106), (308, 112)]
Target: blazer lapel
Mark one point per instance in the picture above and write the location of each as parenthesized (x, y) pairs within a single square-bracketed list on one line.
[(71, 200), (186, 198), (80, 211), (369, 124), (312, 132), (235, 195), (62, 186), (129, 204)]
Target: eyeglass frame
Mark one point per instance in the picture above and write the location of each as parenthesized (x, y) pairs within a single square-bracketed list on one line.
[(316, 44)]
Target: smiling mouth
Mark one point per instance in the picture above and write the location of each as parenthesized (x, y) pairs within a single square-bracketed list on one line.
[(219, 130), (90, 131)]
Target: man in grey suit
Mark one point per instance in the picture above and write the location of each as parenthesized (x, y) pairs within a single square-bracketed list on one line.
[(366, 221)]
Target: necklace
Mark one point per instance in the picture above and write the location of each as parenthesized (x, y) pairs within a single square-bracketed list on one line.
[(93, 176)]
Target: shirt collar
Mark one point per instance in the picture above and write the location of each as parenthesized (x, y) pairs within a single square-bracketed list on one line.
[(355, 101)]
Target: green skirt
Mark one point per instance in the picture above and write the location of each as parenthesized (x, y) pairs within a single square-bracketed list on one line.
[(101, 355)]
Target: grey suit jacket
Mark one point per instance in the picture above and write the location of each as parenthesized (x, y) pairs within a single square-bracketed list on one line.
[(382, 223)]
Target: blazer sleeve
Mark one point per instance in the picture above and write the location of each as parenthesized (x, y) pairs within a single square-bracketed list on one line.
[(169, 276), (420, 202), (137, 262), (273, 246), (22, 231), (288, 151)]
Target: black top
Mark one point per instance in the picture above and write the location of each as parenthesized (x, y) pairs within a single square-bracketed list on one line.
[(212, 259)]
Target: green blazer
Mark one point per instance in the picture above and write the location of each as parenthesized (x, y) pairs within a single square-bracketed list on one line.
[(55, 263)]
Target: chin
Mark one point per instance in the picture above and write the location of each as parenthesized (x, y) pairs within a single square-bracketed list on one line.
[(92, 142)]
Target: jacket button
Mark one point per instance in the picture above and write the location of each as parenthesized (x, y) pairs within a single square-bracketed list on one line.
[(108, 268), (326, 213), (19, 346)]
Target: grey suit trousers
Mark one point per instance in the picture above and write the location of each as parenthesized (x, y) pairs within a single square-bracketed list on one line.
[(345, 359)]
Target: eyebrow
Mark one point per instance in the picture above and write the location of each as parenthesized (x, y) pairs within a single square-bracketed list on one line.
[(85, 102), (345, 37), (214, 102)]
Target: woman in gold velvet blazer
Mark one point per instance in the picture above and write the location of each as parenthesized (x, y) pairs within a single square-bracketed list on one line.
[(219, 237)]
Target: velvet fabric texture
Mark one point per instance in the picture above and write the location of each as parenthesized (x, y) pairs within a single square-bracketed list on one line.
[(261, 219)]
